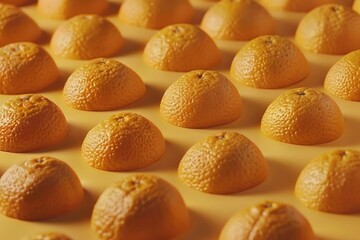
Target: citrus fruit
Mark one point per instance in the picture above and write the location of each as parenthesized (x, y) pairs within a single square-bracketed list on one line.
[(86, 37), (16, 26), (268, 220), (226, 162), (181, 48), (301, 5), (30, 122), (342, 79), (39, 188), (237, 20), (329, 182), (156, 13), (303, 116), (103, 84), (330, 29), (140, 207), (269, 62), (26, 67), (356, 6), (201, 99), (125, 141), (64, 9), (48, 236)]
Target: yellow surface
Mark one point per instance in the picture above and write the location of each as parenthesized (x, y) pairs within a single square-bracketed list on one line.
[(208, 212)]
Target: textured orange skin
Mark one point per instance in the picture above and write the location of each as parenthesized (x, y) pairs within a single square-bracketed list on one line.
[(29, 123), (330, 29), (64, 9), (125, 141), (16, 26), (86, 37), (301, 5), (25, 68), (356, 6), (268, 221), (303, 116), (156, 13), (223, 163), (103, 84), (39, 188), (140, 207), (201, 99), (330, 182), (269, 62), (342, 79), (48, 236), (237, 20), (181, 48)]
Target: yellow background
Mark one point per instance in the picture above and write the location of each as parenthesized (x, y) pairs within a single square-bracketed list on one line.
[(208, 212)]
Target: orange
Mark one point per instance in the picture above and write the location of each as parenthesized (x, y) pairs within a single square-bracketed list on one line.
[(86, 37), (237, 20), (201, 99), (103, 84), (156, 13), (342, 79), (181, 48), (64, 9), (39, 188), (29, 123), (331, 29), (140, 207), (356, 6), (226, 162), (301, 5), (269, 62), (125, 141), (16, 26), (330, 182), (25, 68), (48, 236), (269, 220), (303, 116)]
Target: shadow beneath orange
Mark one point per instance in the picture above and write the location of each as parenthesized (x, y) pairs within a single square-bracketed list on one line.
[(82, 213), (130, 46), (315, 79), (226, 60), (152, 97), (113, 9), (44, 38), (170, 160), (285, 27), (199, 14), (59, 84)]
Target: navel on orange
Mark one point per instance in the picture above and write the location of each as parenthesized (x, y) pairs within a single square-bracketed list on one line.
[(237, 20), (269, 220), (269, 62), (39, 188), (140, 207), (125, 141), (156, 13), (103, 84), (223, 163), (201, 99), (181, 47), (329, 183), (303, 116)]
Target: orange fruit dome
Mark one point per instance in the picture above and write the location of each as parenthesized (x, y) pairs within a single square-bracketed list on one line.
[(356, 6), (48, 236), (268, 220), (156, 13), (181, 48), (39, 188), (86, 37), (140, 207), (269, 62), (125, 141), (330, 29), (329, 183), (303, 116), (29, 123), (64, 9), (223, 163), (201, 99), (301, 5), (342, 79), (103, 84), (16, 26), (25, 68), (237, 20)]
